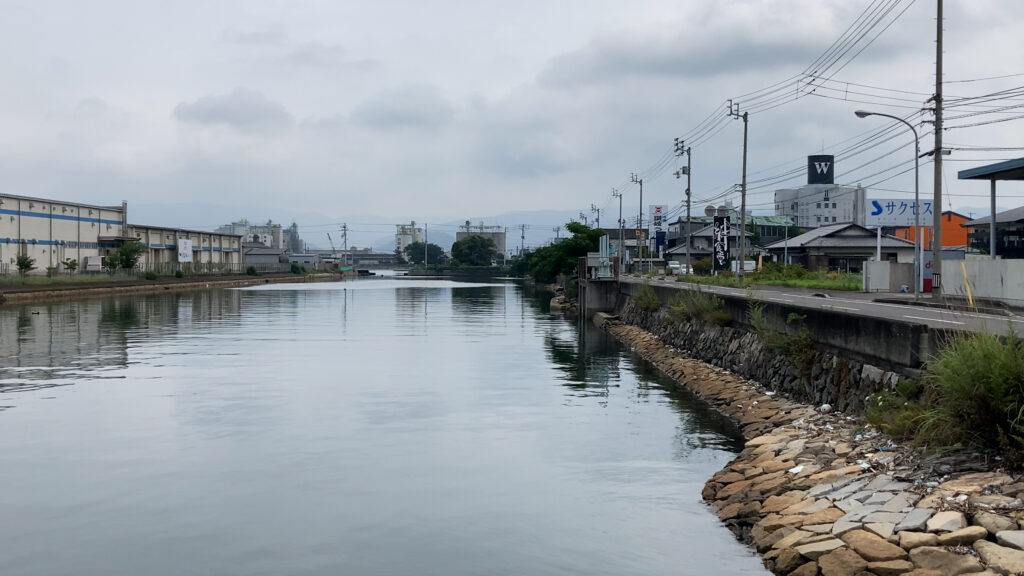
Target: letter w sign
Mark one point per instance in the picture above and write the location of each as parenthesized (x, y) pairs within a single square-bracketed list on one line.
[(822, 167)]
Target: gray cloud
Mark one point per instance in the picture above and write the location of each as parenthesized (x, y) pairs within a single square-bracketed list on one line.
[(608, 60), (318, 55), (420, 107), (242, 109), (273, 36), (91, 107), (554, 104)]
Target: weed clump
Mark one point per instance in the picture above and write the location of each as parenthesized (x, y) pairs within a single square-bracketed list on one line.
[(896, 412), (761, 327), (971, 394), (700, 306), (647, 299), (975, 394)]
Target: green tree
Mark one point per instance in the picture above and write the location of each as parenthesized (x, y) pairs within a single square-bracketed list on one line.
[(414, 253), (474, 250), (70, 264), (124, 257), (25, 264), (547, 263)]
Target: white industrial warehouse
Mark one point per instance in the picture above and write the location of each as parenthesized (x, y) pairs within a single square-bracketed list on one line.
[(53, 232)]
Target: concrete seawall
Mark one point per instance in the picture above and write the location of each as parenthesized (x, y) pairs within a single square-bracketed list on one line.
[(893, 345), (823, 374), (24, 295)]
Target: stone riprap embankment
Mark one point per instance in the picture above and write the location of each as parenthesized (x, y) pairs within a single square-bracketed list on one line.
[(818, 493)]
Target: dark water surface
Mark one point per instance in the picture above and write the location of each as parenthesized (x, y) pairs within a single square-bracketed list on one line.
[(376, 427)]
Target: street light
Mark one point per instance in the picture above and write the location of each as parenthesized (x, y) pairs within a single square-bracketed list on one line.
[(918, 264)]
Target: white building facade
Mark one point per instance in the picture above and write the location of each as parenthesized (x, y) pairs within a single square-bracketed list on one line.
[(211, 252), (821, 202), (269, 234), (406, 234), (53, 232)]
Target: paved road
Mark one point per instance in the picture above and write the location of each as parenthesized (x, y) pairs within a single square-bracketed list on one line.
[(863, 304)]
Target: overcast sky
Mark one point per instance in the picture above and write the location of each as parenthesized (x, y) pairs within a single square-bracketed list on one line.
[(197, 113)]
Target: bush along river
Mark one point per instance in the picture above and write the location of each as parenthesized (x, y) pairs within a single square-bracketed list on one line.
[(373, 427)]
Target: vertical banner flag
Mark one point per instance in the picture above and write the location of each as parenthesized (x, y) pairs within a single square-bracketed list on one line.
[(720, 243), (657, 216), (184, 250)]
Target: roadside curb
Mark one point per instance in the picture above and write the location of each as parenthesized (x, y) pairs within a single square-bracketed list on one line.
[(946, 306)]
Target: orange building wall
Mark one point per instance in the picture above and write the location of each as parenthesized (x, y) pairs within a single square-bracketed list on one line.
[(953, 234)]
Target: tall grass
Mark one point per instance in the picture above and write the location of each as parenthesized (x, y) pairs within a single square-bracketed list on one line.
[(688, 305), (759, 324), (972, 394), (647, 299), (772, 274), (975, 394)]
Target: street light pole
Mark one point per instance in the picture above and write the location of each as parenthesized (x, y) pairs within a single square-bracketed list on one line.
[(918, 260)]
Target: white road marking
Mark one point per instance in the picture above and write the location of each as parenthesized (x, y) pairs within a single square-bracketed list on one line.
[(842, 308), (933, 319)]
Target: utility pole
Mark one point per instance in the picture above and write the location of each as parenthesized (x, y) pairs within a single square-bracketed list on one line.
[(344, 240), (583, 217), (424, 245), (937, 201), (557, 230), (639, 220), (681, 149), (597, 221), (622, 246), (522, 238), (735, 113)]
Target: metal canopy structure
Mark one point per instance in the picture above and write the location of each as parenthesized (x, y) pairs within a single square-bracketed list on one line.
[(1007, 170)]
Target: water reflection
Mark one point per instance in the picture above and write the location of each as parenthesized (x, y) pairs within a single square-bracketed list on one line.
[(378, 428), (468, 303), (60, 343)]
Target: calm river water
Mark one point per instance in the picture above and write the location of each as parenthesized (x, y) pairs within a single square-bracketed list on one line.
[(374, 427)]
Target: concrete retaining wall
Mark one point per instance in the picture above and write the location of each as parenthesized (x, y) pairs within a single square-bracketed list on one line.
[(892, 345)]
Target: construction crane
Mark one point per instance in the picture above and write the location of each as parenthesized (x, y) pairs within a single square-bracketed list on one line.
[(334, 251)]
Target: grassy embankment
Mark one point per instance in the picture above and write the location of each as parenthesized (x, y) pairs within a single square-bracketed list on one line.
[(772, 274), (971, 395)]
